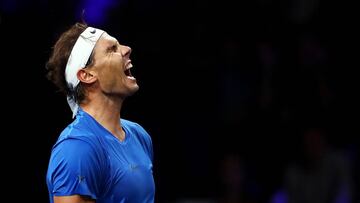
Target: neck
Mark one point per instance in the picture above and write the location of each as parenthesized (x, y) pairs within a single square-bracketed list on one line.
[(106, 111)]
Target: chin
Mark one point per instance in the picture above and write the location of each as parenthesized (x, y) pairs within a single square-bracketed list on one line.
[(134, 89)]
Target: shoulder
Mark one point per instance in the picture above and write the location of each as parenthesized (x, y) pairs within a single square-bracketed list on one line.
[(137, 130), (130, 123), (76, 132), (72, 148), (75, 142), (73, 154), (133, 126)]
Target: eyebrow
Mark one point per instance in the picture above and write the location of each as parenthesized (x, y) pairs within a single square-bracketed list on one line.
[(112, 42)]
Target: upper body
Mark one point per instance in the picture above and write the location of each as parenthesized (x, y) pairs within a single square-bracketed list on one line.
[(93, 70), (88, 160)]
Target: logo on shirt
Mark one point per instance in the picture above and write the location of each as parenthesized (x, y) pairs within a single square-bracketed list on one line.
[(133, 166), (81, 178)]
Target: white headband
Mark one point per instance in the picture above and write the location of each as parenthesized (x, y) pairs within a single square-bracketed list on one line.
[(78, 58)]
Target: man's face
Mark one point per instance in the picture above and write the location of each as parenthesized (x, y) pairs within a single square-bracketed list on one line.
[(112, 64)]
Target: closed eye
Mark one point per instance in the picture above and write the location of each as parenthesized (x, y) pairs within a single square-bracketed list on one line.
[(112, 48)]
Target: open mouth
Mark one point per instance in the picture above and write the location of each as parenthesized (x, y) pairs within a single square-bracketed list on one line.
[(128, 72)]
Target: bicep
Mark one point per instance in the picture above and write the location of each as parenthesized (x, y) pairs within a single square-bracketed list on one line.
[(73, 199)]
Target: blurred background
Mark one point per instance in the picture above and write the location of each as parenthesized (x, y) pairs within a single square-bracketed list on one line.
[(246, 101)]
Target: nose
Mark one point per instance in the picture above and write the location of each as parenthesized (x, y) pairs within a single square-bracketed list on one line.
[(126, 51)]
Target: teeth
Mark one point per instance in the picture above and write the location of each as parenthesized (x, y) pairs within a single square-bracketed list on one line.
[(129, 66), (127, 70)]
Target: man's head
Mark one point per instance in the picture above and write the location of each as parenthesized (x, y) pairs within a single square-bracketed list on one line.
[(86, 60)]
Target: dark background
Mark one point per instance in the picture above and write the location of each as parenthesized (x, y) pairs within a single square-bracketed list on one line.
[(215, 77)]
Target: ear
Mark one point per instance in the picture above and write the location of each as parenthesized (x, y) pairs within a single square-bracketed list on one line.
[(86, 76)]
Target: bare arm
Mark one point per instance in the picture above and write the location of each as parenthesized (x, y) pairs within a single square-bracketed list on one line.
[(73, 199)]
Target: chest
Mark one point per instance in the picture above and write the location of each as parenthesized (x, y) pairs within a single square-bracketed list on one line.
[(130, 171)]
